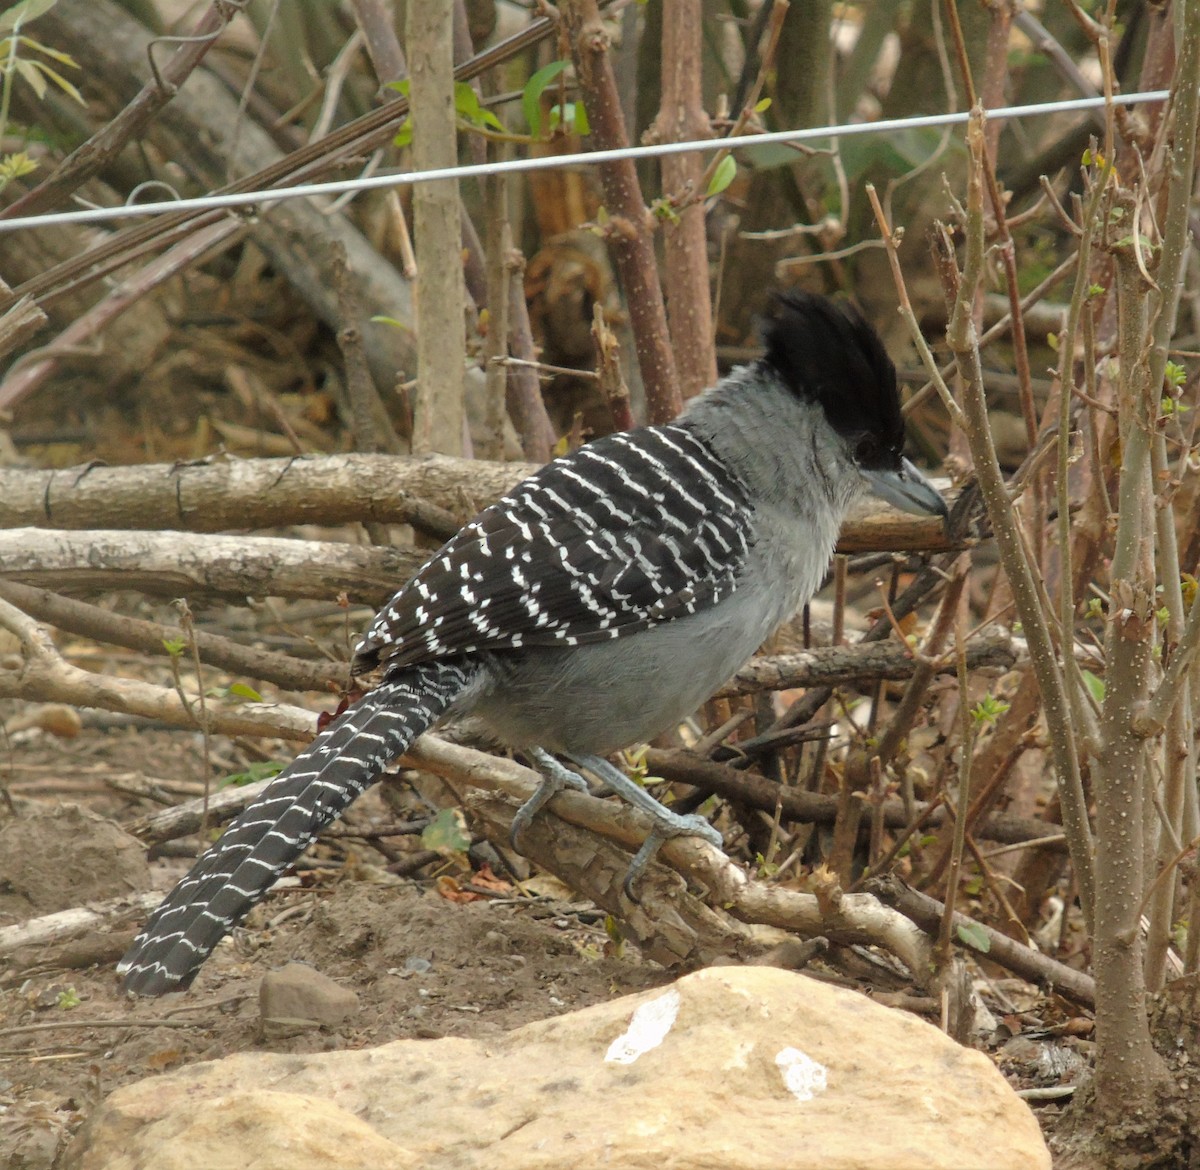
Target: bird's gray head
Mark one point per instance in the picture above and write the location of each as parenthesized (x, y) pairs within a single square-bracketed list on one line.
[(826, 354)]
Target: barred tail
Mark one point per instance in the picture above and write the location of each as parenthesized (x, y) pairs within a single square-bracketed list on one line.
[(314, 790)]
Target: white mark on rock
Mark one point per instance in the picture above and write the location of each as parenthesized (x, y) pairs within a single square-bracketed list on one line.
[(803, 1076), (648, 1029)]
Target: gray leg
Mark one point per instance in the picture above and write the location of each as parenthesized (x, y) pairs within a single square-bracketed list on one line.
[(555, 777), (666, 824)]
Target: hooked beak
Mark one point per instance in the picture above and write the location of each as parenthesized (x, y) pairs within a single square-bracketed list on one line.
[(908, 490)]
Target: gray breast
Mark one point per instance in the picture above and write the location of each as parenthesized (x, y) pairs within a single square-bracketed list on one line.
[(600, 698)]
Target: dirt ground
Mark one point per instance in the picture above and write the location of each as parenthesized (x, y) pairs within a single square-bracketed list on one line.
[(426, 957), (423, 963)]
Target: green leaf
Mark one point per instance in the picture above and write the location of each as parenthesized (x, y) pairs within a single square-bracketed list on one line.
[(531, 95), (404, 134), (466, 105), (973, 935), (68, 999), (244, 692), (260, 770), (24, 12), (53, 54), (988, 709), (392, 321), (15, 166), (722, 176), (576, 119), (447, 833), (60, 81), (174, 646), (762, 104), (32, 74), (1095, 686)]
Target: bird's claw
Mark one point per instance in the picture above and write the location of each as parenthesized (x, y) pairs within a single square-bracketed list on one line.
[(555, 778), (665, 824)]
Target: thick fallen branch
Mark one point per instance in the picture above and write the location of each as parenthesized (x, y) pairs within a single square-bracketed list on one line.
[(64, 924), (102, 625), (42, 675), (429, 492), (823, 666), (173, 564), (1007, 952), (797, 804), (843, 665)]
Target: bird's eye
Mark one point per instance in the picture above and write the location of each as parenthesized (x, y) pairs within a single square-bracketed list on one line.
[(866, 451)]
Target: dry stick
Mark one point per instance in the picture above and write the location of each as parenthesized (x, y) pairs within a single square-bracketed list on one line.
[(973, 420), (927, 666), (365, 134), (439, 416), (608, 366), (498, 237), (1073, 680), (435, 494), (1023, 960), (103, 146), (170, 563), (798, 804), (372, 428), (993, 89), (964, 790), (44, 675), (1179, 736), (682, 118), (32, 370), (19, 323), (526, 408), (627, 231), (189, 632), (83, 1024)]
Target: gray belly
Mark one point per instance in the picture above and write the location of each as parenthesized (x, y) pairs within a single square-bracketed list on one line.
[(603, 697)]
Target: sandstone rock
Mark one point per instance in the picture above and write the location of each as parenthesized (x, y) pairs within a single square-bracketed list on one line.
[(731, 1068), (298, 996)]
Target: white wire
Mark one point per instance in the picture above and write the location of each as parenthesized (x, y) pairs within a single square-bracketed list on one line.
[(555, 162)]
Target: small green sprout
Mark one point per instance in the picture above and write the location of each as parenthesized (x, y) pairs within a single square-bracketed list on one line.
[(68, 999), (988, 710)]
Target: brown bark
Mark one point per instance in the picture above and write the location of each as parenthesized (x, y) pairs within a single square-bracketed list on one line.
[(172, 564), (435, 493), (682, 118), (104, 146), (629, 237), (91, 621), (441, 334)]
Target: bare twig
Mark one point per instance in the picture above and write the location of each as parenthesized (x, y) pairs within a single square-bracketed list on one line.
[(628, 232)]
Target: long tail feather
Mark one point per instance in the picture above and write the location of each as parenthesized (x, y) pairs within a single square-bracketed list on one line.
[(314, 790)]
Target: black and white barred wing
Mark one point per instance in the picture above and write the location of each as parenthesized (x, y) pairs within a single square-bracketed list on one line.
[(629, 531)]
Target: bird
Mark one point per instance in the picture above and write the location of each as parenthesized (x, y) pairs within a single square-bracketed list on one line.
[(596, 605)]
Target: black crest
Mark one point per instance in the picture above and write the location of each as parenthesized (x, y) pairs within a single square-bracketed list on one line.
[(826, 352)]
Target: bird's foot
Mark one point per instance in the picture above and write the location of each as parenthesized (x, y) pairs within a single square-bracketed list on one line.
[(555, 777), (665, 823)]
